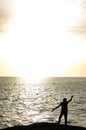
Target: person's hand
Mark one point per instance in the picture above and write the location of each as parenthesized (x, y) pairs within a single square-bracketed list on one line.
[(52, 110)]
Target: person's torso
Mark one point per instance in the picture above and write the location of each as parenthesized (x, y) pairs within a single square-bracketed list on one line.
[(64, 106)]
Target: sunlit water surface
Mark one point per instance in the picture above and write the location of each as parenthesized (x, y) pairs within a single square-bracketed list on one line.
[(23, 102)]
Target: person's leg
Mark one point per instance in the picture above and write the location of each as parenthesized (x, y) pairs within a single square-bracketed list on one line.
[(65, 116), (60, 116)]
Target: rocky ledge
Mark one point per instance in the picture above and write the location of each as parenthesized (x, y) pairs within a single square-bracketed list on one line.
[(45, 126)]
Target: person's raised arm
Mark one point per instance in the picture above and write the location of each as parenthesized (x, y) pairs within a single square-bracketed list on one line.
[(55, 108), (70, 99)]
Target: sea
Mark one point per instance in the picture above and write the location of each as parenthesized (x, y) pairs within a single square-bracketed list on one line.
[(23, 102)]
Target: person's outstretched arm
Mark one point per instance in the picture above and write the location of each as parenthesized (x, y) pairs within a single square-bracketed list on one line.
[(55, 108), (70, 99)]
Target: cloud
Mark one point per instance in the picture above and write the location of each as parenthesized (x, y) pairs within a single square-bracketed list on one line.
[(5, 14), (80, 26), (4, 20), (79, 30)]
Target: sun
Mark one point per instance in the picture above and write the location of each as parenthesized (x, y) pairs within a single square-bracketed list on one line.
[(37, 44)]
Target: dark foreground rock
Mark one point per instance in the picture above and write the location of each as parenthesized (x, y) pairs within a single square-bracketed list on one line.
[(45, 126)]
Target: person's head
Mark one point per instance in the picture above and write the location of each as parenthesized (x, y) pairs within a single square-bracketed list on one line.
[(64, 99)]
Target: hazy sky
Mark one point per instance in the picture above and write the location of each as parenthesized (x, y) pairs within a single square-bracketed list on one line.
[(6, 12), (43, 38)]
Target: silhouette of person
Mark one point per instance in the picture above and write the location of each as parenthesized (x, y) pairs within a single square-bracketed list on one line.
[(64, 109)]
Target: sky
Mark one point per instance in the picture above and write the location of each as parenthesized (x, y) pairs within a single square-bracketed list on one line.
[(43, 38)]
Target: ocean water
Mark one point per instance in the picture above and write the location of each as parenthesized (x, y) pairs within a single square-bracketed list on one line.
[(23, 102)]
